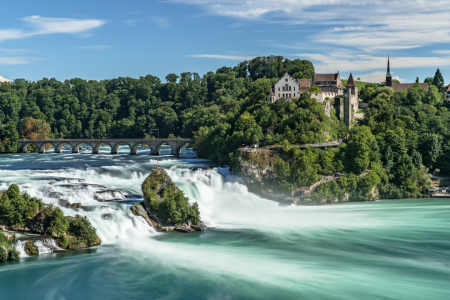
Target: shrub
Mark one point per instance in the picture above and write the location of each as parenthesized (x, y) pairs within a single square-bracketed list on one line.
[(65, 242), (3, 254), (83, 230), (13, 254), (58, 222)]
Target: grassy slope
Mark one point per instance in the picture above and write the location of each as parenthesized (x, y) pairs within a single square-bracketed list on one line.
[(360, 84)]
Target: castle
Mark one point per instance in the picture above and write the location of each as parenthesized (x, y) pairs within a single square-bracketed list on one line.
[(331, 87)]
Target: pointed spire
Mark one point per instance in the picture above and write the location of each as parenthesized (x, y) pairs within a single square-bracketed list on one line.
[(388, 73), (350, 81)]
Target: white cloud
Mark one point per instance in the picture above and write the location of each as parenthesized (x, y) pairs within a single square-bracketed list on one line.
[(445, 52), (161, 22), (3, 79), (14, 50), (366, 24), (228, 57), (347, 61), (42, 25), (377, 77), (15, 60), (100, 47)]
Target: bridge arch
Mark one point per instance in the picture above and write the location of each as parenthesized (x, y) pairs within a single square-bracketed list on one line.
[(176, 149), (43, 145), (76, 146), (156, 150), (134, 148), (60, 146), (115, 147), (26, 145), (96, 146)]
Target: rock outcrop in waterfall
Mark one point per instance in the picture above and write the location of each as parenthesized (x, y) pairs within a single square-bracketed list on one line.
[(165, 207)]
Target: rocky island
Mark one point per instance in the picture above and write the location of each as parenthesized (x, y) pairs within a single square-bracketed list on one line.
[(39, 224), (165, 207)]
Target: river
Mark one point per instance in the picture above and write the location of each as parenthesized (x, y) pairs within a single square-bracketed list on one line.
[(254, 248)]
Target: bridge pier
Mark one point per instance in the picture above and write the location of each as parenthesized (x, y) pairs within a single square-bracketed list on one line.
[(176, 152), (133, 151), (155, 151), (114, 151)]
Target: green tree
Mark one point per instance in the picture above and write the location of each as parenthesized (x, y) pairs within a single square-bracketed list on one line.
[(438, 81)]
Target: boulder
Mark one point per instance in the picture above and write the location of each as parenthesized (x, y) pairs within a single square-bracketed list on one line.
[(63, 203), (39, 223), (56, 195), (30, 248), (107, 217), (109, 195)]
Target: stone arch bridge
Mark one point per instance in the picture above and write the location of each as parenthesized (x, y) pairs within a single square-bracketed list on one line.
[(153, 144)]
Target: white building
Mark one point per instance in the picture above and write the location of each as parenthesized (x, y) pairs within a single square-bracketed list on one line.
[(286, 88)]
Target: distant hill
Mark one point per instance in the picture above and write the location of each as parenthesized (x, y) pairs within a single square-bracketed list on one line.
[(360, 84)]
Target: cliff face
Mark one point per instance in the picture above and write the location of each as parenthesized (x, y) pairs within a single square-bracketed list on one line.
[(254, 172), (165, 207)]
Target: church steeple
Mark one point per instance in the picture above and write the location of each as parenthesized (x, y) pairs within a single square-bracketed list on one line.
[(388, 74)]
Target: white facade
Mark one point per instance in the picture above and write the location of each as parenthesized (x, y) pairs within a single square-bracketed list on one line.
[(286, 87), (321, 96)]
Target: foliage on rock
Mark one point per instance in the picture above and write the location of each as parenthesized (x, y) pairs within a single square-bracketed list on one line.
[(167, 201)]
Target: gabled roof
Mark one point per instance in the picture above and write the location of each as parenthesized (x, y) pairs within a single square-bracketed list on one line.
[(304, 83), (326, 77), (448, 89), (271, 93), (351, 81), (406, 86)]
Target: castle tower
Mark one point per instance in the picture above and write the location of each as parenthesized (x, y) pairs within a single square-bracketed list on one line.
[(388, 75), (351, 101)]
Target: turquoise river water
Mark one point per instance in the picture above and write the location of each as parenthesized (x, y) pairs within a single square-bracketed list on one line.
[(254, 248)]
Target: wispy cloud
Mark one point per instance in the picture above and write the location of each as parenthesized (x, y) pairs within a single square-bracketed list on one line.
[(367, 25), (161, 22), (343, 61), (14, 50), (42, 25), (377, 77), (218, 56), (15, 60), (100, 47), (3, 79), (445, 52)]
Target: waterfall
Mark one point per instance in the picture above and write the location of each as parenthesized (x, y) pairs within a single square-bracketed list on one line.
[(20, 246), (42, 248)]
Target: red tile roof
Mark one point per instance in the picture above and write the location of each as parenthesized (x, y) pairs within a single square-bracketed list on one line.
[(271, 93), (325, 77), (406, 86), (351, 81), (304, 83)]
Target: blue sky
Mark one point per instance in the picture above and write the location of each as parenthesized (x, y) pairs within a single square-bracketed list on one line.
[(107, 39)]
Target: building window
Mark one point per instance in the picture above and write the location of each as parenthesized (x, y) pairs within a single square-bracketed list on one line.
[(289, 95), (278, 95), (294, 88), (278, 88), (286, 80)]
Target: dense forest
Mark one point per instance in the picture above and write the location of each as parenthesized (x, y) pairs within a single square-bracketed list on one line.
[(391, 153), (226, 108), (403, 137)]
